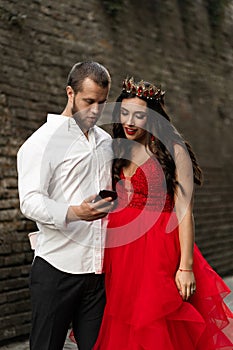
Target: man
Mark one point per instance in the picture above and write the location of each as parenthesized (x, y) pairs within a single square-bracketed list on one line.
[(61, 168)]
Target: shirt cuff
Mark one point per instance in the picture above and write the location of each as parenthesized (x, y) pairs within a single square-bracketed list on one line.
[(58, 212)]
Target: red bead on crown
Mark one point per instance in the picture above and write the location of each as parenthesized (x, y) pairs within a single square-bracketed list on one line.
[(141, 90)]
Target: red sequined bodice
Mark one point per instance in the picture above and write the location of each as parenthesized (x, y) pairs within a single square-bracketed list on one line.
[(146, 189)]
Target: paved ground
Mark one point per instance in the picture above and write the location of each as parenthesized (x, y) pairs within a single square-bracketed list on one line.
[(71, 346), (229, 298), (23, 345)]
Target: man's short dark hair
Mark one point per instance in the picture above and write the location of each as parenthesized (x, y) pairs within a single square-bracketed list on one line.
[(88, 69)]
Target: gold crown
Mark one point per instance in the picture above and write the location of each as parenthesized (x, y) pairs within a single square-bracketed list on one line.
[(141, 90)]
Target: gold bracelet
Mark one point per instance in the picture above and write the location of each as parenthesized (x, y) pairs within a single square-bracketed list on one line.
[(186, 270)]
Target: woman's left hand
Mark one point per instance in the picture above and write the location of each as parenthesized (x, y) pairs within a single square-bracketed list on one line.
[(186, 284)]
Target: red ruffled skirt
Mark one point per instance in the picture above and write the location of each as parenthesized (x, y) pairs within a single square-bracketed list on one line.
[(144, 310)]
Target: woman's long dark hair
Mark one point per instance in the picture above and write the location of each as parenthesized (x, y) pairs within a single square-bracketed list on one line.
[(164, 136)]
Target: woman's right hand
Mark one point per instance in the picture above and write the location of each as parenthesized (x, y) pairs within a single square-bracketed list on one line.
[(186, 284)]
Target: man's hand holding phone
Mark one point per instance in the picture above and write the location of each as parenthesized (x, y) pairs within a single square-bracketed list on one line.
[(103, 194), (92, 208)]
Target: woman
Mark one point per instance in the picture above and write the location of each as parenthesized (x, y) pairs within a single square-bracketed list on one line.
[(161, 293)]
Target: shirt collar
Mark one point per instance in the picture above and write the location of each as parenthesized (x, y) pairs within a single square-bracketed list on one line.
[(69, 123), (74, 127), (57, 119)]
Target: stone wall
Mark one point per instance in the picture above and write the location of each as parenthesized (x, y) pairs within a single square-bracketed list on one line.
[(185, 45)]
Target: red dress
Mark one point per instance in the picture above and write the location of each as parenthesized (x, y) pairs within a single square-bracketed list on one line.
[(144, 310)]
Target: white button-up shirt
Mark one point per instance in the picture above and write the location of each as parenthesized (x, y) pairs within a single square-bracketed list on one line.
[(59, 167)]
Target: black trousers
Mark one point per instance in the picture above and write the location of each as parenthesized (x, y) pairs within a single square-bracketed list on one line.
[(59, 299)]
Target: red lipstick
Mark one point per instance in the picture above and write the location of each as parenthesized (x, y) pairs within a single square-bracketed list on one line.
[(130, 131)]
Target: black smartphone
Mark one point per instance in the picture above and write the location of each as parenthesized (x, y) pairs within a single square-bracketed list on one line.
[(104, 194)]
